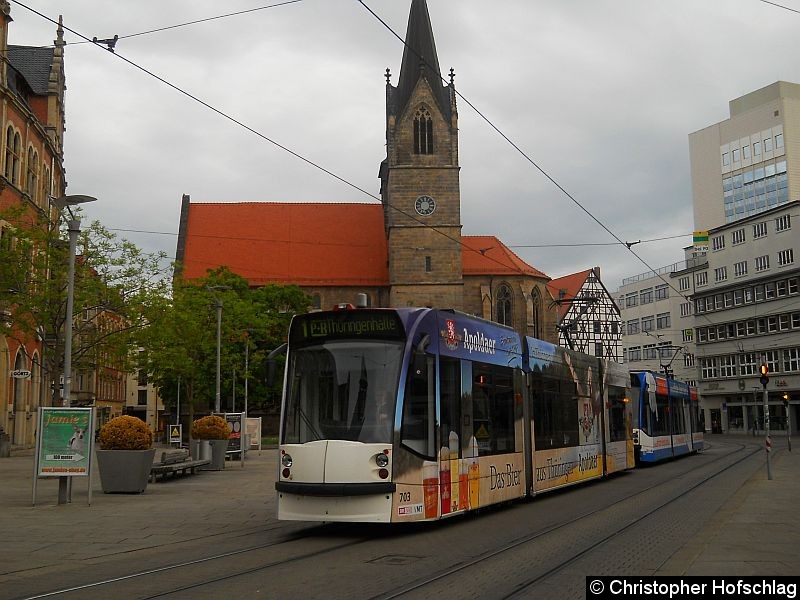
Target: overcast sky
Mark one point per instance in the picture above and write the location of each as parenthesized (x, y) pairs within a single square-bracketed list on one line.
[(601, 94)]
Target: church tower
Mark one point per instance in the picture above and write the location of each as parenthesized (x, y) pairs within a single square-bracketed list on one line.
[(420, 176)]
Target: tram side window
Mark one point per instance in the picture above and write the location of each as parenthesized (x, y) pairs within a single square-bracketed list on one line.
[(493, 408), (450, 391), (660, 424), (679, 412), (616, 414), (417, 432), (555, 412), (694, 411)]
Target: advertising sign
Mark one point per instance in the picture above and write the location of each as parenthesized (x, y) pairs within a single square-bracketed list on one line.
[(254, 431), (237, 433), (700, 239), (65, 442)]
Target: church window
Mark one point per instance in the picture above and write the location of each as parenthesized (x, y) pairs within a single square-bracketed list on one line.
[(316, 300), (12, 155), (33, 169), (428, 267), (503, 305), (537, 306), (423, 132)]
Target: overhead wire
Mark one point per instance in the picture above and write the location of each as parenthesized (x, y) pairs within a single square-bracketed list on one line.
[(99, 44)]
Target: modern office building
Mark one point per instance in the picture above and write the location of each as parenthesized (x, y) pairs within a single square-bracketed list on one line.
[(746, 187)]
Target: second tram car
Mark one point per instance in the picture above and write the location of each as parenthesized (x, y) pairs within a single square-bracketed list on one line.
[(666, 417), (419, 414)]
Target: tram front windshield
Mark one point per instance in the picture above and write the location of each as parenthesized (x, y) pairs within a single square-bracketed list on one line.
[(342, 390)]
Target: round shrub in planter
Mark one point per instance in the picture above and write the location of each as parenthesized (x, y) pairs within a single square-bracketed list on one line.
[(214, 431), (125, 455)]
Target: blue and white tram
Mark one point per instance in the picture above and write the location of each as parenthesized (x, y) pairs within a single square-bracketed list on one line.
[(666, 417), (420, 414)]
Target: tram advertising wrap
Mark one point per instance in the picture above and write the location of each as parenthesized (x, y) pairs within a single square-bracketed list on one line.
[(420, 414)]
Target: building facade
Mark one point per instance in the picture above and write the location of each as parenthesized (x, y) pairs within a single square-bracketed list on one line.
[(31, 172), (589, 318), (658, 320), (746, 187)]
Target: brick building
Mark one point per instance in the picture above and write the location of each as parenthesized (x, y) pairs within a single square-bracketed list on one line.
[(31, 171), (406, 251)]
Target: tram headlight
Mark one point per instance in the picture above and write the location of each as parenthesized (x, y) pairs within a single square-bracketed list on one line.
[(381, 460), (286, 460)]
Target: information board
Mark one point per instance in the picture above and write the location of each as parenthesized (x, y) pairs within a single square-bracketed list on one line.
[(65, 442)]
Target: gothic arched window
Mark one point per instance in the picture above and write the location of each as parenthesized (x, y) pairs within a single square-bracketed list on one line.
[(423, 132), (536, 302), (503, 305)]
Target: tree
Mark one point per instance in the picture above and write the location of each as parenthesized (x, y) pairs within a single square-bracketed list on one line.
[(180, 340), (114, 283)]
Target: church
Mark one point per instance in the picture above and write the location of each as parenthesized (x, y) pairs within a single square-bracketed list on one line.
[(406, 251)]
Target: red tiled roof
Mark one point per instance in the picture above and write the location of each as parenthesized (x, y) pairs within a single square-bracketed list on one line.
[(306, 244), (571, 285), (486, 255), (315, 244)]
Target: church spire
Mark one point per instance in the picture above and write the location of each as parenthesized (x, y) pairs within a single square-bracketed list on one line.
[(420, 60)]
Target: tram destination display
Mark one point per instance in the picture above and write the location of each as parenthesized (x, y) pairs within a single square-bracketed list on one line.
[(347, 324)]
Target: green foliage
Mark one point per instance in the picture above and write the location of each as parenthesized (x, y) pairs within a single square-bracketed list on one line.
[(181, 339), (115, 282)]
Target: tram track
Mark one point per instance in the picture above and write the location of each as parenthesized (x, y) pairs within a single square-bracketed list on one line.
[(524, 587), (170, 570)]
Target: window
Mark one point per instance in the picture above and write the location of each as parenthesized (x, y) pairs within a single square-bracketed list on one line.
[(741, 329), (737, 237), (791, 359), (720, 274), (665, 349), (718, 243), (709, 368), (762, 263), (738, 295), (141, 399), (12, 155), (759, 230), (649, 352), (725, 159), (782, 288), (493, 406), (740, 270), (646, 296), (735, 154), (771, 358), (793, 288), (746, 152), (423, 132), (756, 148), (634, 353), (504, 305), (796, 320), (701, 279), (785, 257), (428, 266), (779, 140), (719, 301), (727, 366), (686, 309), (662, 292), (769, 290), (596, 328), (598, 349), (747, 364), (663, 321), (768, 144), (702, 334), (688, 360), (614, 327), (683, 283), (783, 223), (631, 299), (316, 301), (647, 323), (633, 327), (784, 323), (33, 171)]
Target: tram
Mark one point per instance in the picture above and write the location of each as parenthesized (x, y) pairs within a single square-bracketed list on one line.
[(400, 415), (666, 417)]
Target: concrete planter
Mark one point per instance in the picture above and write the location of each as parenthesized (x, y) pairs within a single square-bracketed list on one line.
[(124, 471), (218, 450)]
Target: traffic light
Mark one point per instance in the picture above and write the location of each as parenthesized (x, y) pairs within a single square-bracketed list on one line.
[(786, 400), (764, 374)]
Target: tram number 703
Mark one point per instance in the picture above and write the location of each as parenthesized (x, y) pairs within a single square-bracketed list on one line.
[(405, 496)]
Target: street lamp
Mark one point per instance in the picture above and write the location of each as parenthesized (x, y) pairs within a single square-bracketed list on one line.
[(74, 228), (219, 335)]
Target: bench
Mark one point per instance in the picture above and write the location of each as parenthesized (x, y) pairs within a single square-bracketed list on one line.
[(175, 461)]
